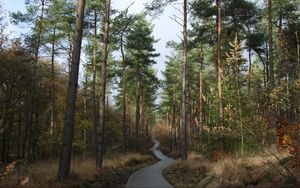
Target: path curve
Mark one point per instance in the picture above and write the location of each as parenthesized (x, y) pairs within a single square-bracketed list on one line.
[(151, 176)]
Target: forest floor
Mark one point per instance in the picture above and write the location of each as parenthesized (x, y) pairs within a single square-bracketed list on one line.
[(255, 170), (234, 172), (115, 172), (117, 167)]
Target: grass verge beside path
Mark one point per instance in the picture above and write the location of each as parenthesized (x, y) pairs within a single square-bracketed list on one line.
[(115, 173), (117, 177), (234, 172)]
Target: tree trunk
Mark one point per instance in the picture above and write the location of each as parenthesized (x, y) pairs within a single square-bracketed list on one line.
[(169, 125), (287, 77), (270, 40), (142, 113), (271, 71), (35, 136), (279, 46), (85, 117), (183, 119), (20, 132), (7, 123), (201, 114), (129, 120), (219, 63), (52, 118), (298, 52), (94, 94), (239, 115), (137, 111), (68, 132), (249, 73), (101, 127), (125, 128), (298, 73), (28, 122), (173, 129)]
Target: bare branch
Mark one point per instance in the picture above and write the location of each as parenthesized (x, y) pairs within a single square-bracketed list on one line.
[(176, 8), (174, 19), (179, 37)]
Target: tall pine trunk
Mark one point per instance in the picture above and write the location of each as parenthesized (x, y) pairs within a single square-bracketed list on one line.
[(68, 133), (52, 118), (124, 121), (219, 63), (271, 71), (183, 119), (249, 72), (201, 114), (94, 94), (137, 110), (101, 127)]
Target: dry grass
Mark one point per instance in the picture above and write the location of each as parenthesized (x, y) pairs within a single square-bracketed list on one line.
[(43, 173), (258, 171)]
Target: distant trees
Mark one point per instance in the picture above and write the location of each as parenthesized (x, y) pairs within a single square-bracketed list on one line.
[(233, 103), (16, 77), (140, 49)]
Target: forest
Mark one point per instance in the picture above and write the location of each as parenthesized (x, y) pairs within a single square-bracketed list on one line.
[(82, 102)]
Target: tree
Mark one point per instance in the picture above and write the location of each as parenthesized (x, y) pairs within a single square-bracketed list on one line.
[(3, 37), (16, 77), (93, 13), (34, 16), (54, 33), (101, 128), (65, 158), (140, 47), (120, 30), (234, 59), (219, 61), (183, 118)]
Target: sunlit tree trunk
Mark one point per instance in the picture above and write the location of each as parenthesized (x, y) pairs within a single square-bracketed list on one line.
[(219, 63), (103, 80)]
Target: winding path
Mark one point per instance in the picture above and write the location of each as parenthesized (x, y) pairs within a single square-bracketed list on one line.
[(151, 176)]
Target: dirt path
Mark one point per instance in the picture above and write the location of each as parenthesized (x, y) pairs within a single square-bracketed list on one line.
[(151, 176)]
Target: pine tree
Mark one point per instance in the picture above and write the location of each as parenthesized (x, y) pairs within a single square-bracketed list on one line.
[(68, 135)]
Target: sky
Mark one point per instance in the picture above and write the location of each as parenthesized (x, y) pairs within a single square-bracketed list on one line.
[(165, 29)]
